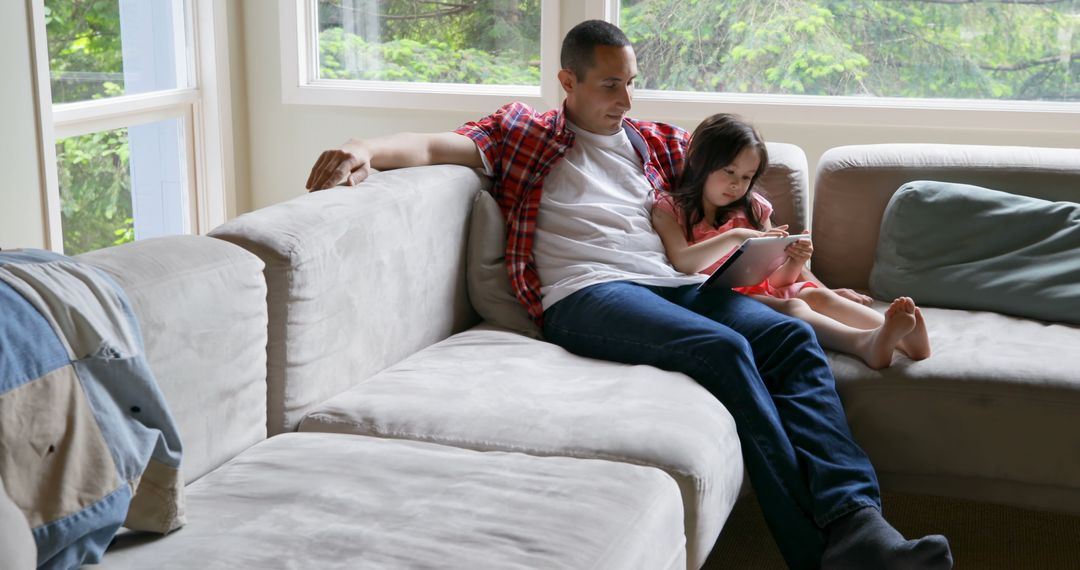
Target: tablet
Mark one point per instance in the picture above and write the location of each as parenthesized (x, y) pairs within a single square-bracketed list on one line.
[(752, 263)]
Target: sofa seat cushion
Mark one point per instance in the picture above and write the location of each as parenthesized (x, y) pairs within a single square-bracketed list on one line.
[(991, 416), (304, 500), (491, 389)]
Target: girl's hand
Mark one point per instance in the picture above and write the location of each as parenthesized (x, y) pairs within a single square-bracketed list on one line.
[(778, 231), (854, 296), (801, 250)]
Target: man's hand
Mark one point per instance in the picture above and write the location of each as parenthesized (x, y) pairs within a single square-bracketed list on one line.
[(348, 165)]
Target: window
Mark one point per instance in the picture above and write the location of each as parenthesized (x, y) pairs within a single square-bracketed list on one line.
[(1027, 51), (425, 54), (1000, 64), (482, 42), (135, 144)]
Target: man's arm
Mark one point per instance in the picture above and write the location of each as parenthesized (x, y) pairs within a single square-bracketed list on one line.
[(356, 159)]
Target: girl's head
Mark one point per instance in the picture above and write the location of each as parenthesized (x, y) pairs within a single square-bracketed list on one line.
[(726, 158)]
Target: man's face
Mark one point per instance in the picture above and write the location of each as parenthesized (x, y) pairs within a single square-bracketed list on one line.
[(599, 102)]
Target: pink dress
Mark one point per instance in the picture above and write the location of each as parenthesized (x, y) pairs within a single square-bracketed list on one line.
[(703, 230)]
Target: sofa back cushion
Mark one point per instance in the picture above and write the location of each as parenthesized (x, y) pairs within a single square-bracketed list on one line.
[(490, 291), (786, 184), (201, 307), (968, 247), (358, 278), (855, 183)]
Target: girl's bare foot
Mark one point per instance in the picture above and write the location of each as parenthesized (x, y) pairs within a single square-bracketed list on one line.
[(899, 323), (917, 343)]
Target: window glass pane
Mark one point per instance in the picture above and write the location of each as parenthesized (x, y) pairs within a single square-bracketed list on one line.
[(991, 49), (105, 48), (120, 185), (483, 42)]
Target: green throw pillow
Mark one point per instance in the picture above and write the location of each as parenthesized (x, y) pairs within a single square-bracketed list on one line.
[(965, 247)]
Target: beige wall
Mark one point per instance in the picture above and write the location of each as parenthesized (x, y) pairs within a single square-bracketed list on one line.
[(240, 197), (22, 207)]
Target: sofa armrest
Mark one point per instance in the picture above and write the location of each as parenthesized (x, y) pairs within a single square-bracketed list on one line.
[(358, 279), (854, 184)]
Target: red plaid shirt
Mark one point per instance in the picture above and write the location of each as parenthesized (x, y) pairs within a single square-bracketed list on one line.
[(521, 146)]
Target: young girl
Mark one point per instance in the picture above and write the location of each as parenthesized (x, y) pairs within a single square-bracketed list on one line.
[(713, 209)]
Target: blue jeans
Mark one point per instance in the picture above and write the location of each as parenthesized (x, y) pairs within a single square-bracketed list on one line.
[(769, 372)]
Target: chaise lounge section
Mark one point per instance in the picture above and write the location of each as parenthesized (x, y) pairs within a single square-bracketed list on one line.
[(992, 415)]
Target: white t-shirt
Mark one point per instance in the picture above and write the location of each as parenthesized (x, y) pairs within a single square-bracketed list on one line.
[(594, 222)]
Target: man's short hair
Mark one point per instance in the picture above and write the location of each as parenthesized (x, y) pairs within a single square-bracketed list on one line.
[(581, 41)]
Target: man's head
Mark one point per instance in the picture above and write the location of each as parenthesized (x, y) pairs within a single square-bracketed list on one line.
[(598, 71)]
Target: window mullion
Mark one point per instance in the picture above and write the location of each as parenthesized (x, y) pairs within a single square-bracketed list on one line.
[(54, 233), (72, 119)]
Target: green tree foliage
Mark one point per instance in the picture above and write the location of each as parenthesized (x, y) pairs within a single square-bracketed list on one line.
[(487, 42), (83, 38), (992, 49), (85, 61), (95, 190)]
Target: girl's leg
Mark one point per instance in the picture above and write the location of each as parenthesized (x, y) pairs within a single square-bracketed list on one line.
[(873, 346), (916, 344)]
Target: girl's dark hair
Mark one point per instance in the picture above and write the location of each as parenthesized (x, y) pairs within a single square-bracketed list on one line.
[(716, 143)]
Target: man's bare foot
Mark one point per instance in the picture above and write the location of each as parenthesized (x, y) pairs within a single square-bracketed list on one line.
[(917, 343), (899, 322)]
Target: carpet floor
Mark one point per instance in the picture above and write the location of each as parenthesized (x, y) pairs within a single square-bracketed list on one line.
[(982, 536)]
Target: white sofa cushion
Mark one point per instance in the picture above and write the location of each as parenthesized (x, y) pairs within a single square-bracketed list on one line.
[(16, 541), (303, 500), (991, 416), (201, 307), (492, 389)]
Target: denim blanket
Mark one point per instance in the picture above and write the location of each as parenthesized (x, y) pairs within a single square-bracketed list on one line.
[(87, 444)]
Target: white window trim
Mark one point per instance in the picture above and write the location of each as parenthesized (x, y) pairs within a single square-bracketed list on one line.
[(668, 105), (204, 114), (961, 114), (299, 62)]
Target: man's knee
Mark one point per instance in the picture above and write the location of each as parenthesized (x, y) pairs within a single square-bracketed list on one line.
[(798, 329), (718, 359)]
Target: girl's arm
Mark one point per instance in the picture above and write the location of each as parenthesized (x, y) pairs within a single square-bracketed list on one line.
[(694, 258)]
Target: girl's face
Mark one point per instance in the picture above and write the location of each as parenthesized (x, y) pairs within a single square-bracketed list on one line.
[(730, 183)]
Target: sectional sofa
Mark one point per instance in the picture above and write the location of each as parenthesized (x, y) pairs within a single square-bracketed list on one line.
[(342, 404)]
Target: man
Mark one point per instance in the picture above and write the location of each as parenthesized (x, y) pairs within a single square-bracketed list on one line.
[(577, 184)]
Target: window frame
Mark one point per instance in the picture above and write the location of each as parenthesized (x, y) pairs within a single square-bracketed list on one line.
[(299, 62), (202, 108), (832, 111)]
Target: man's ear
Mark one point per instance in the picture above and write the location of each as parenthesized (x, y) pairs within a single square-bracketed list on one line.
[(568, 80)]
